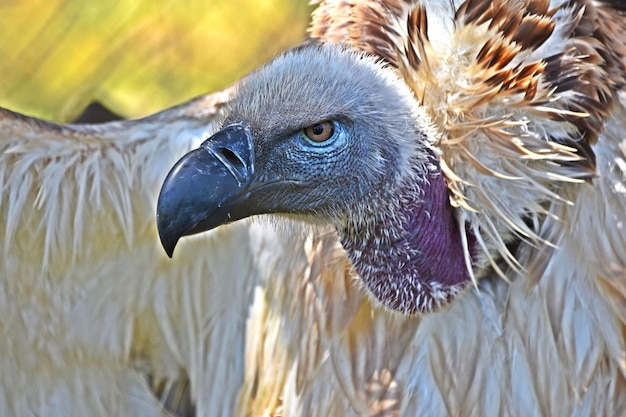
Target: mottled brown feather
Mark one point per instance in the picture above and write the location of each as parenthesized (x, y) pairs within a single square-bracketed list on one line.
[(592, 69)]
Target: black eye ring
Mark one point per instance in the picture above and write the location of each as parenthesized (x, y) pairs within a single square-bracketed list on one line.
[(320, 132)]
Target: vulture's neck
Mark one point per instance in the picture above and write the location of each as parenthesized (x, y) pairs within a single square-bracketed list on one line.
[(412, 257)]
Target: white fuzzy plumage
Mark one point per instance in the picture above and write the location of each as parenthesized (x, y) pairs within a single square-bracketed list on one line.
[(268, 321)]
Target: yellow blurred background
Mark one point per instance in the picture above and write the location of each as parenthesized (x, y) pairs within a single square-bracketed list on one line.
[(134, 56)]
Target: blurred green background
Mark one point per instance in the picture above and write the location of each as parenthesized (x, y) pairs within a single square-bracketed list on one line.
[(134, 56)]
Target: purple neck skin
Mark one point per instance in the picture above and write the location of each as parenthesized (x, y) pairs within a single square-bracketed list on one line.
[(413, 262)]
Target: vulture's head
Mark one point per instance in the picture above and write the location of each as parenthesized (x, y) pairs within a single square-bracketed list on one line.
[(334, 137)]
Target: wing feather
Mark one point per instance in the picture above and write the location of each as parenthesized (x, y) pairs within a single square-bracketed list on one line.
[(82, 274)]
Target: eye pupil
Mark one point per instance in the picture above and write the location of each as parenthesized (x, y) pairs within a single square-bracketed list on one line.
[(318, 129), (320, 132)]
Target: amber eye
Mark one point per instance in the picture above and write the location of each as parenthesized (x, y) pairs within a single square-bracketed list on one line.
[(320, 132)]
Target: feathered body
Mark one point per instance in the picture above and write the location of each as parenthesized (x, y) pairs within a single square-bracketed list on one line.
[(526, 101)]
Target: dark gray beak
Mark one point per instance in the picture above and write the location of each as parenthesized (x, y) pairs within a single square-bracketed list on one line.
[(204, 188)]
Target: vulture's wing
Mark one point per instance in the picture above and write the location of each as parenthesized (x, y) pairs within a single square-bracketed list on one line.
[(92, 312)]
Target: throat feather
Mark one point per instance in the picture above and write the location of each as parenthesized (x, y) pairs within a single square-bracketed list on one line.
[(411, 258)]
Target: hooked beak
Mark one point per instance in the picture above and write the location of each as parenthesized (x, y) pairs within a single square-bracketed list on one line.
[(202, 190)]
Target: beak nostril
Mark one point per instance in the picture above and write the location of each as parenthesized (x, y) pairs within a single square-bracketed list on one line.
[(231, 157), (234, 163)]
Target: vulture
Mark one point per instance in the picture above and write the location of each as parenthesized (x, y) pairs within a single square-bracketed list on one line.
[(418, 211)]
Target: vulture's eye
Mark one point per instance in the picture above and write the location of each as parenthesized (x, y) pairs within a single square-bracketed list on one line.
[(320, 132)]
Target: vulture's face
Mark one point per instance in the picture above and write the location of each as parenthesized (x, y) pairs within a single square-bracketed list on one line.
[(335, 137)]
